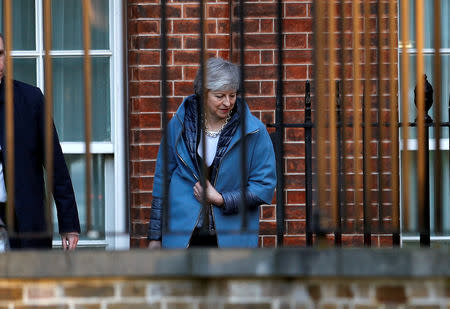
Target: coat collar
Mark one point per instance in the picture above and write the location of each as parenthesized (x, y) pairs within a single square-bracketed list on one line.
[(251, 123)]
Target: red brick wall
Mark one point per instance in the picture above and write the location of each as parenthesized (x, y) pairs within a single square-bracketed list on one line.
[(183, 58)]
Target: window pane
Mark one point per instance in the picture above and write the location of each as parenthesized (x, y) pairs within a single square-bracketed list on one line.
[(77, 167), (67, 17), (25, 70), (23, 24), (68, 93), (429, 24), (445, 193)]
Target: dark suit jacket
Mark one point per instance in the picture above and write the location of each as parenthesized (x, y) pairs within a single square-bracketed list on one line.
[(29, 157)]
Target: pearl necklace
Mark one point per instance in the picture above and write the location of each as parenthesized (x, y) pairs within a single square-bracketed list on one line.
[(214, 134)]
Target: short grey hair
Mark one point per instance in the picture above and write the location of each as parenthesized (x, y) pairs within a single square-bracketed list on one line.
[(220, 75)]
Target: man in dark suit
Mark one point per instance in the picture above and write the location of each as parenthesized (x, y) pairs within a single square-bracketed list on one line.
[(29, 156)]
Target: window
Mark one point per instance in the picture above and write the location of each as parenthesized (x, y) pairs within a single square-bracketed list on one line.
[(108, 180), (429, 57)]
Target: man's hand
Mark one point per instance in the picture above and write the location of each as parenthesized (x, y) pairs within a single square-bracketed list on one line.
[(212, 196), (154, 244), (69, 240)]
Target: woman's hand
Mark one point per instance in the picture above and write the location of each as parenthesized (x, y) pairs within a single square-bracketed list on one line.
[(212, 196), (154, 244)]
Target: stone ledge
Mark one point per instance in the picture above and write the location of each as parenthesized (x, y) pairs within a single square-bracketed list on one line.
[(300, 262)]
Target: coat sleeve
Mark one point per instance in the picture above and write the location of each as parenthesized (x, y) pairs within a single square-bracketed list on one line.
[(156, 213), (261, 179), (63, 193)]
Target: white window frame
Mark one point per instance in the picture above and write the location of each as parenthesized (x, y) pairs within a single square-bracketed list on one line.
[(412, 145), (116, 237)]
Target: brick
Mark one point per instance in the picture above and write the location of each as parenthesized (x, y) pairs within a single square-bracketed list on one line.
[(295, 212), (391, 294), (297, 25), (314, 292), (41, 291), (297, 57), (294, 241), (223, 26), (260, 41), (191, 11), (296, 10), (134, 306), (297, 40), (344, 291), (218, 11), (268, 242), (267, 25), (260, 72), (194, 288), (296, 197), (218, 42), (296, 72), (41, 306), (180, 305), (133, 289), (430, 306), (186, 26), (147, 26), (267, 57), (267, 212), (153, 11), (296, 227), (328, 306), (88, 306), (11, 293), (143, 57), (248, 306), (139, 229), (87, 290), (267, 227), (259, 10), (187, 57), (144, 88)]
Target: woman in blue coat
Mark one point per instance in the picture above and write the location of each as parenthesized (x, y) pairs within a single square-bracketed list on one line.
[(187, 226)]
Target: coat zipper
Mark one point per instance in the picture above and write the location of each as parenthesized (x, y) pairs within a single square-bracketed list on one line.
[(196, 178), (217, 176)]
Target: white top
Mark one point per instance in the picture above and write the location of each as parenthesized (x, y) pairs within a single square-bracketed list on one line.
[(2, 183), (211, 148)]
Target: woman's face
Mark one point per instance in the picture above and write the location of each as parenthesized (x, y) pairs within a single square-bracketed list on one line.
[(220, 103)]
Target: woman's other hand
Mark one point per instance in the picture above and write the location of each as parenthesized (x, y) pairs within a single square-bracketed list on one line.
[(154, 244), (212, 196)]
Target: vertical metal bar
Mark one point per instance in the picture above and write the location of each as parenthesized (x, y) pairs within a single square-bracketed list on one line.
[(367, 123), (338, 231), (244, 171), (87, 108), (319, 79), (357, 134), (230, 33), (308, 165), (203, 99), (48, 112), (332, 116), (279, 142), (342, 121), (393, 112), (9, 115), (380, 127), (437, 119), (422, 179), (165, 144), (405, 114)]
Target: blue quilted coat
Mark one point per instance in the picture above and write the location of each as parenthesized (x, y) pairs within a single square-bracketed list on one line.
[(183, 172)]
